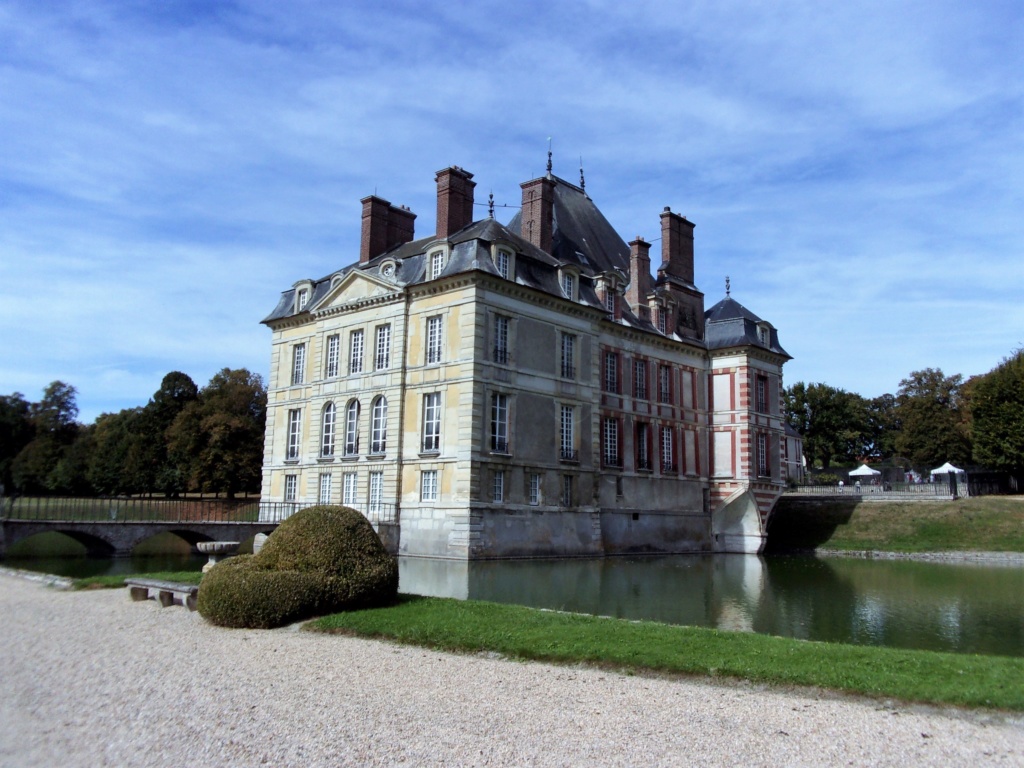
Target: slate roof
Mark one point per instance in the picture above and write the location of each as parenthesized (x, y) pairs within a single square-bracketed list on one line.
[(730, 324)]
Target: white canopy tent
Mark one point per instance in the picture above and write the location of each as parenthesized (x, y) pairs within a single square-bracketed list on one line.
[(864, 471), (947, 469)]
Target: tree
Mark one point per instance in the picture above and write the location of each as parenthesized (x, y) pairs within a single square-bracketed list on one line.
[(176, 391), (932, 422), (831, 421), (55, 429), (16, 431), (216, 441), (997, 409), (883, 425)]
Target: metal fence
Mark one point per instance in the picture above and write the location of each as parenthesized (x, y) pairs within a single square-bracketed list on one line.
[(129, 509), (276, 511), (138, 510), (881, 491)]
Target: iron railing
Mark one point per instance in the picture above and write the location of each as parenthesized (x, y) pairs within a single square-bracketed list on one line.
[(125, 509), (276, 511), (903, 490)]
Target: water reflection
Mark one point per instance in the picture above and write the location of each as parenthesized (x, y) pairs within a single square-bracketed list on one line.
[(961, 608)]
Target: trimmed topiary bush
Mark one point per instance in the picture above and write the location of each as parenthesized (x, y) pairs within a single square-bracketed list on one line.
[(320, 560)]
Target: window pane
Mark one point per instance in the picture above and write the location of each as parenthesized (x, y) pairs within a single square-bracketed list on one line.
[(432, 422), (379, 436), (327, 432), (355, 355), (325, 489), (333, 353), (298, 363), (433, 340), (382, 360)]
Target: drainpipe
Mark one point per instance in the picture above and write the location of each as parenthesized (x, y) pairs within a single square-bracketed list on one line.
[(401, 404)]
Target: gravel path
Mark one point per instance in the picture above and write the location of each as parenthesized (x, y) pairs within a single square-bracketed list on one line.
[(92, 679)]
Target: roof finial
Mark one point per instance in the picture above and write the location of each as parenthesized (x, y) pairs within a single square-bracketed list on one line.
[(549, 155), (583, 183), (727, 286), (490, 204)]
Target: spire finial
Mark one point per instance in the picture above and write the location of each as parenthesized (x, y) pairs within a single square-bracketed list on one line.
[(549, 155), (490, 204), (727, 286), (583, 183)]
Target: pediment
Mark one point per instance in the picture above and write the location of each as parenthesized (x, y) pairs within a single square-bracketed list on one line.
[(355, 288)]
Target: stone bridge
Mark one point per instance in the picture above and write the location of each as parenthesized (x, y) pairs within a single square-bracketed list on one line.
[(117, 539)]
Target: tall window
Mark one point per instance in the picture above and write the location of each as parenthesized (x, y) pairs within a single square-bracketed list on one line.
[(355, 351), (303, 298), (610, 442), (640, 379), (569, 285), (291, 487), (761, 383), (534, 491), (298, 363), (348, 489), (568, 356), (498, 486), (762, 454), (566, 490), (294, 434), (379, 435), (567, 433), (333, 355), (499, 423), (327, 431), (668, 464), (609, 300), (501, 261), (643, 456), (352, 428), (501, 323), (325, 488), (664, 384), (382, 360), (376, 492), (662, 319), (436, 264), (433, 339), (428, 485), (432, 422), (611, 372)]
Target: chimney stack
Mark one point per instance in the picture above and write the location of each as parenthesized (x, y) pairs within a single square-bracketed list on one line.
[(536, 219), (454, 200), (639, 274), (384, 227), (676, 246)]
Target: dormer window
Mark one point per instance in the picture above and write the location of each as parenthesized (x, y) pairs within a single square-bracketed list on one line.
[(609, 300), (303, 298), (436, 264), (663, 319), (764, 334), (569, 282), (303, 290), (503, 263)]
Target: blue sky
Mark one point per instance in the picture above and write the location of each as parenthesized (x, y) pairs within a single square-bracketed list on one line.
[(167, 168)]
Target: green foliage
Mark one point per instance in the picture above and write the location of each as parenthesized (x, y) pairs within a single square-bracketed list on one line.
[(16, 431), (216, 441), (933, 425), (321, 559), (38, 465), (527, 633), (997, 405), (833, 422), (826, 478)]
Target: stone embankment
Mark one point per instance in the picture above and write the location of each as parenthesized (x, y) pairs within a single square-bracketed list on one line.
[(92, 679)]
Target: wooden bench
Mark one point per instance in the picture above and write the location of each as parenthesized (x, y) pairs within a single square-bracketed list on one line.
[(167, 592)]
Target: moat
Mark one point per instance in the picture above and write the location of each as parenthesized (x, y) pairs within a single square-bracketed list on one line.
[(962, 608)]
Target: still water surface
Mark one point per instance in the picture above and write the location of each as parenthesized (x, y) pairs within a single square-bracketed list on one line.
[(905, 604)]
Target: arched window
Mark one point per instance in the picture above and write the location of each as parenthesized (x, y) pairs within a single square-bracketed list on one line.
[(327, 431), (379, 435), (352, 428)]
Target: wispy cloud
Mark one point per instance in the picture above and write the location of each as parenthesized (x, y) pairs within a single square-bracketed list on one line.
[(167, 169)]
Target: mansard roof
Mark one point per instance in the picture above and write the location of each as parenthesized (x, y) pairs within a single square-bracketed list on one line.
[(581, 234), (730, 324)]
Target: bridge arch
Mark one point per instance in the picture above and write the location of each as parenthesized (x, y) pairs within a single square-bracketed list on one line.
[(736, 525)]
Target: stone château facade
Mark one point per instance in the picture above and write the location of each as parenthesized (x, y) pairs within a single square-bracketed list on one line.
[(528, 389)]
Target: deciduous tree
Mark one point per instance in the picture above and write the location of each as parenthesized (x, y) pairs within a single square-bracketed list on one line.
[(932, 424), (997, 406)]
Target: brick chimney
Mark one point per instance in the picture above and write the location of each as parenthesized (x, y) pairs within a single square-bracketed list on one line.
[(639, 274), (384, 227), (454, 200), (537, 217), (401, 226), (676, 246), (375, 228)]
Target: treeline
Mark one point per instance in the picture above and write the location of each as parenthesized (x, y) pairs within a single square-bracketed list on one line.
[(932, 418), (185, 439)]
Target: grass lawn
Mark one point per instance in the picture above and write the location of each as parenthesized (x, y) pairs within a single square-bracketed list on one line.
[(984, 524), (117, 581), (527, 633)]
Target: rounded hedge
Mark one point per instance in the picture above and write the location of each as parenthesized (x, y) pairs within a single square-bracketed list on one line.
[(320, 560)]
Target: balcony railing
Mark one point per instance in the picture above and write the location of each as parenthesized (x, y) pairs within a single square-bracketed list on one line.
[(570, 455), (499, 445), (276, 511), (501, 355), (568, 371), (613, 461), (668, 468), (643, 465)]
